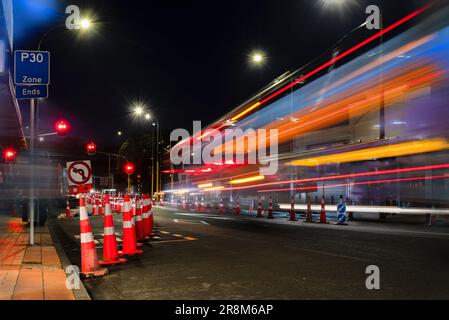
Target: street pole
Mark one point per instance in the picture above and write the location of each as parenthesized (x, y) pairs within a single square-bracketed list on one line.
[(157, 157), (33, 107), (152, 166), (129, 183)]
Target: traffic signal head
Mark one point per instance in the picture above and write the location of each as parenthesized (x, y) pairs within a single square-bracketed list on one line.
[(128, 168), (62, 128), (91, 149), (9, 155)]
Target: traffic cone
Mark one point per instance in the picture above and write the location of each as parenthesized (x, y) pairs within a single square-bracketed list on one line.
[(259, 208), (68, 212), (292, 211), (129, 246), (110, 251), (161, 201), (100, 205), (146, 216), (237, 208), (309, 218), (221, 207), (270, 209), (139, 223), (151, 223), (90, 267), (323, 210), (95, 207)]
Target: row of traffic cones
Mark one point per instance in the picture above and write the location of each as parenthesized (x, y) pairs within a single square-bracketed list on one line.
[(138, 224)]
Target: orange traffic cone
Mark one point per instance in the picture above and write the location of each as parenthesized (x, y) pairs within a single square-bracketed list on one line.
[(221, 207), (323, 211), (259, 208), (68, 212), (237, 208), (139, 224), (309, 217), (270, 209), (90, 266), (146, 216), (110, 251), (129, 246), (292, 211), (95, 207), (151, 219), (100, 205)]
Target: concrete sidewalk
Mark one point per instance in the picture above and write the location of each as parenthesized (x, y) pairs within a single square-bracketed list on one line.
[(29, 272)]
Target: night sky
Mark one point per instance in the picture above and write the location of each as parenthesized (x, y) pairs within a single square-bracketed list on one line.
[(188, 60)]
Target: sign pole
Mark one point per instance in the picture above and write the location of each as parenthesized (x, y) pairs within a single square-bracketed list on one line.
[(32, 142)]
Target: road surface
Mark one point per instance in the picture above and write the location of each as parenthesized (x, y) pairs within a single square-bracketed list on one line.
[(207, 256)]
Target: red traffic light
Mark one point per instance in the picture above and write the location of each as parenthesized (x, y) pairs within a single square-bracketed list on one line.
[(62, 127), (91, 149), (128, 168), (9, 155)]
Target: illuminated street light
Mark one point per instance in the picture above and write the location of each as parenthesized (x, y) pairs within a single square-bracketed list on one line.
[(257, 58), (335, 4), (119, 133), (85, 24), (147, 116), (138, 110)]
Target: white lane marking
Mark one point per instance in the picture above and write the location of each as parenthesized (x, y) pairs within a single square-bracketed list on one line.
[(190, 221), (203, 216)]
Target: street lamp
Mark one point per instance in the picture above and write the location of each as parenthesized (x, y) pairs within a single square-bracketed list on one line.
[(257, 58), (140, 110), (34, 107), (85, 24)]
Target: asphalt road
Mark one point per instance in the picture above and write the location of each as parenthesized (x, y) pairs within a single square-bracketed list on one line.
[(206, 256)]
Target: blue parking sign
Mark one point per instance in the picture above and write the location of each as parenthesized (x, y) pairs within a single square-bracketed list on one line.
[(31, 67)]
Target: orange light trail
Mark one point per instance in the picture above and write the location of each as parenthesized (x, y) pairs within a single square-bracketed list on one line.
[(444, 176), (332, 61), (394, 150), (344, 176)]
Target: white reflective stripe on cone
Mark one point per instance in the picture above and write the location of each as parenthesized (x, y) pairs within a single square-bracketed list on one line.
[(109, 231), (126, 206), (107, 209), (139, 218), (145, 215), (87, 237), (83, 213), (127, 224)]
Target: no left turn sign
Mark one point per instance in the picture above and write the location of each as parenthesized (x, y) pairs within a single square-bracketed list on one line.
[(79, 173)]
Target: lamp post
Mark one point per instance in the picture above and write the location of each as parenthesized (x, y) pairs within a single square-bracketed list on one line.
[(34, 104), (139, 111)]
